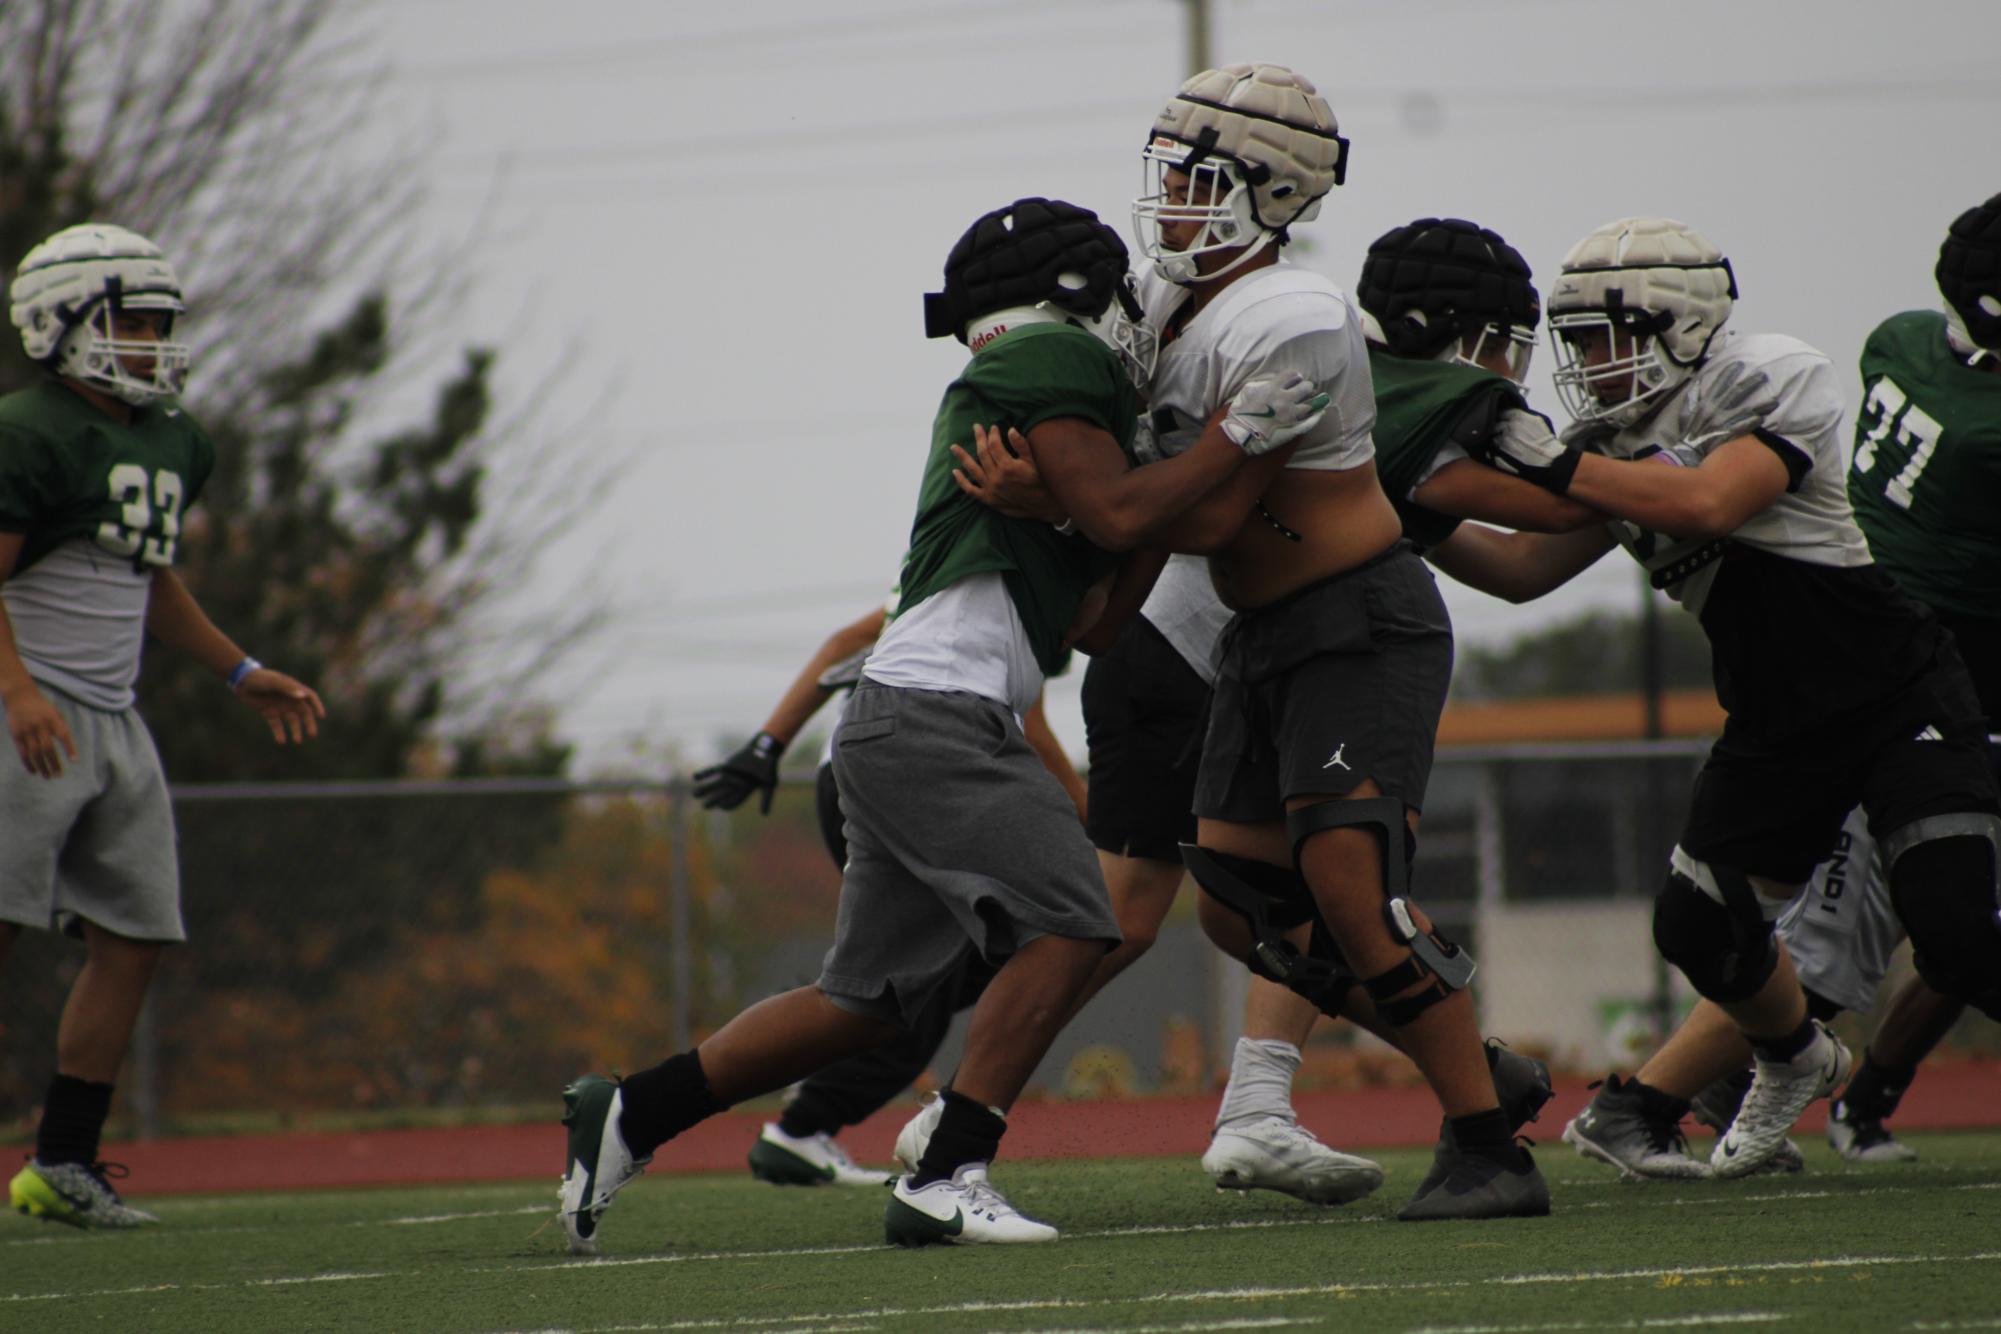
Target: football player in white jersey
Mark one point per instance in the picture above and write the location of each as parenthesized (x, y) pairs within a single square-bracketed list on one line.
[(1718, 455), (1332, 674)]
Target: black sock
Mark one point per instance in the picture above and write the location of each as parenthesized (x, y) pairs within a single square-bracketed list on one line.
[(1875, 1091), (968, 1132), (662, 1102), (73, 1115), (809, 1114), (1658, 1105), (1486, 1132), (1786, 1045)]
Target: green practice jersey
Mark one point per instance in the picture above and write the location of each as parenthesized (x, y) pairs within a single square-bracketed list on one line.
[(68, 470), (1021, 379), (1926, 477), (1421, 406)]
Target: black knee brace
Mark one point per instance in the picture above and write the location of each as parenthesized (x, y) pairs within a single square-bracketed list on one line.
[(1432, 956), (1275, 901), (1724, 949), (1946, 888)]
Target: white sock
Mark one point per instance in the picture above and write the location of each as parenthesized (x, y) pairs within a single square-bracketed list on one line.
[(1260, 1084)]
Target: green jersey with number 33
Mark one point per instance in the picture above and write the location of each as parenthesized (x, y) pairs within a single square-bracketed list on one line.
[(69, 470), (1926, 477)]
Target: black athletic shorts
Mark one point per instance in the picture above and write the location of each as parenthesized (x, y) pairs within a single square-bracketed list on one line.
[(1341, 681), (1774, 806), (1143, 708)]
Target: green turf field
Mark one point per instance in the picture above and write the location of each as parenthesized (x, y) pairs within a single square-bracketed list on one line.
[(1147, 1245)]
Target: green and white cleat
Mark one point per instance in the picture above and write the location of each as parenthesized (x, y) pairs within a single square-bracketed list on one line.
[(599, 1163), (78, 1194), (960, 1210), (809, 1160)]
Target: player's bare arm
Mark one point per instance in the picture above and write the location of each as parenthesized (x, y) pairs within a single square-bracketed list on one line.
[(291, 709), (1115, 505), (753, 767), (1468, 490), (1135, 579), (1035, 728), (40, 735), (1518, 567)]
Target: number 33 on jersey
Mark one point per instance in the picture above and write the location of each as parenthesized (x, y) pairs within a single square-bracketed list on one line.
[(68, 471)]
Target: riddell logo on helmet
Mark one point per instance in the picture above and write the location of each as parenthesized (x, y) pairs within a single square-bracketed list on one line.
[(985, 336)]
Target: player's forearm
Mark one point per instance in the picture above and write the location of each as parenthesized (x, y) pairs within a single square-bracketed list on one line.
[(1680, 502), (15, 683), (1142, 501), (803, 698), (1517, 567), (1135, 580), (175, 619), (1042, 740)]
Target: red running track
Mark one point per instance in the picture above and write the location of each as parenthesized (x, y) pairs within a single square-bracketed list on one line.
[(1956, 1096)]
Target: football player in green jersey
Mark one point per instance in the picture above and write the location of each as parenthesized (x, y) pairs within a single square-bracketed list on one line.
[(958, 839), (98, 463)]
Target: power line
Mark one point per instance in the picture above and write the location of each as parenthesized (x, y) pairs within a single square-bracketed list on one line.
[(682, 47)]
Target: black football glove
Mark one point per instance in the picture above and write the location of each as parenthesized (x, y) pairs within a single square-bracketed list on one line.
[(1523, 444), (754, 768)]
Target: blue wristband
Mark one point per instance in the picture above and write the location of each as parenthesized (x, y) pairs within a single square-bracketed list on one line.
[(242, 672)]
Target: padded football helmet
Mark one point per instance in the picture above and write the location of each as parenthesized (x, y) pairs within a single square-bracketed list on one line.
[(1969, 278), (67, 291), (1260, 148), (1043, 260), (1658, 293), (1448, 289)]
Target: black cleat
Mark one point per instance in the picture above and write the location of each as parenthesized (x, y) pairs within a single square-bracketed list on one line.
[(1474, 1185), (1522, 1085)]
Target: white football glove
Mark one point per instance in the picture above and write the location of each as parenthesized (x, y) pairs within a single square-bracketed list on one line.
[(1524, 444), (1273, 410)]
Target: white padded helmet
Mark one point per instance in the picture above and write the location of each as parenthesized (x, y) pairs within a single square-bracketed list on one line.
[(65, 294), (1654, 285), (1261, 149)]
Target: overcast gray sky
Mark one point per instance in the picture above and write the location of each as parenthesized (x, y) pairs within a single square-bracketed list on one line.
[(734, 209)]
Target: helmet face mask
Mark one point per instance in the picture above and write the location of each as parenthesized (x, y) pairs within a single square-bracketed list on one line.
[(1504, 351), (73, 301), (1238, 155), (1607, 370), (1208, 194)]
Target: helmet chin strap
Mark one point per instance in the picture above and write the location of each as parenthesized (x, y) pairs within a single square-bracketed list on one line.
[(1181, 270)]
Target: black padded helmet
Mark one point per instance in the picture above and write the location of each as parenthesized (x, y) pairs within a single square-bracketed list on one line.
[(1969, 272), (1032, 250), (1437, 279)]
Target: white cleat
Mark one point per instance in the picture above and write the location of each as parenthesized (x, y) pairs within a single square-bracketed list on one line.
[(599, 1163), (1282, 1155), (915, 1137), (808, 1160), (961, 1210), (1780, 1091)]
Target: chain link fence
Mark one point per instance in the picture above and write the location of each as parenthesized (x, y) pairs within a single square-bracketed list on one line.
[(391, 953)]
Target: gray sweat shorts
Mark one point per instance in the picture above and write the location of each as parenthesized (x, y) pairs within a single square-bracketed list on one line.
[(97, 843), (958, 841)]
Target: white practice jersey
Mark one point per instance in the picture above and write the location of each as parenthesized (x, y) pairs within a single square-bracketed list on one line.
[(1786, 394), (1270, 321), (1801, 625)]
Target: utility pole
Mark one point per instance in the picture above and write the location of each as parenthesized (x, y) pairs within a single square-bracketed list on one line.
[(1198, 35)]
